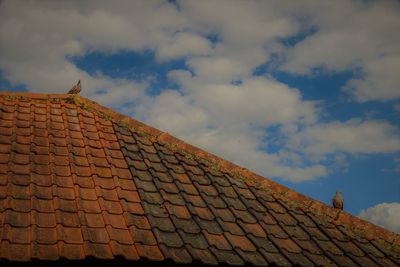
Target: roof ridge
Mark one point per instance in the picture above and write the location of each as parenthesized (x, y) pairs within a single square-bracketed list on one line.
[(279, 191)]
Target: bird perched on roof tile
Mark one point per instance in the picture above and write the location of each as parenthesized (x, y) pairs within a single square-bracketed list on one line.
[(76, 89), (337, 201)]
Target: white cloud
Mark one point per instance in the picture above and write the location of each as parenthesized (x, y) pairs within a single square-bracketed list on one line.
[(386, 215), (353, 136), (364, 40), (184, 44), (36, 39)]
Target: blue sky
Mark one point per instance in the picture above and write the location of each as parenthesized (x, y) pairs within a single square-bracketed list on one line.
[(289, 90)]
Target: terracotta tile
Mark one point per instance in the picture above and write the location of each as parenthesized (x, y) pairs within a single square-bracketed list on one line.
[(85, 193), (231, 227), (70, 235), (149, 252), (122, 236), (127, 251), (20, 148), (104, 183), (296, 232), (21, 169), (142, 236), (18, 235), (81, 171), (341, 260), (17, 219), (253, 228), (189, 189), (196, 201), (98, 251), (127, 184), (95, 235), (183, 178), (67, 219), (203, 213), (287, 244), (315, 232), (179, 211), (139, 221), (41, 169), (131, 196), (115, 220), (178, 255), (44, 252), (43, 219), (18, 192), (41, 159), (163, 224), (80, 161), (59, 150), (107, 194), (207, 189), (147, 186), (91, 206), (349, 248), (116, 154), (297, 259), (227, 256), (64, 192), (63, 181), (44, 235), (308, 245), (84, 182), (78, 151), (65, 205), (142, 175), (151, 197), (118, 163), (20, 205), (202, 255), (112, 207), (217, 240), (5, 148), (274, 230), (15, 252), (39, 150), (134, 208), (234, 203), (328, 246), (61, 161), (99, 162), (92, 220), (210, 226), (174, 199), (121, 173)]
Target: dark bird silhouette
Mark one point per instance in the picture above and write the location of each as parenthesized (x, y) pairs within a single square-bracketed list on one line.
[(337, 201), (76, 89)]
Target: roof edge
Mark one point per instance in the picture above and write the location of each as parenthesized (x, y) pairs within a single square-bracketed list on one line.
[(34, 95), (365, 228)]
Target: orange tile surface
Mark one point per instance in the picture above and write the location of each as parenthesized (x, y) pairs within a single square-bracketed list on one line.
[(78, 180)]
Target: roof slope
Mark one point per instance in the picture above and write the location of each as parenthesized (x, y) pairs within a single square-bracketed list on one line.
[(79, 180)]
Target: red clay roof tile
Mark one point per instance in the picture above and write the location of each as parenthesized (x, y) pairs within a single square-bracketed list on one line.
[(79, 180)]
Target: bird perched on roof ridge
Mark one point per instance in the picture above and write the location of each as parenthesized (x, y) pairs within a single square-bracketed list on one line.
[(337, 201), (76, 89)]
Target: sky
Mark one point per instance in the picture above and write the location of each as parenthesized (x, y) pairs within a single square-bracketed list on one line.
[(306, 93)]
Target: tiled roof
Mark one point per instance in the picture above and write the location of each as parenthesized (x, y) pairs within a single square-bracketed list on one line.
[(78, 180)]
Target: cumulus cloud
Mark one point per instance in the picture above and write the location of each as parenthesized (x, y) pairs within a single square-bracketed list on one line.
[(386, 215), (353, 136), (364, 41), (219, 104)]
